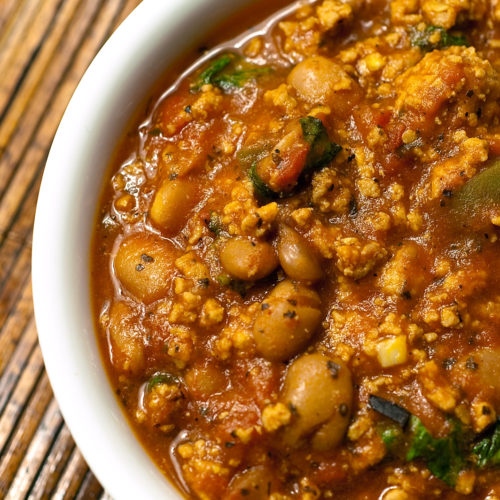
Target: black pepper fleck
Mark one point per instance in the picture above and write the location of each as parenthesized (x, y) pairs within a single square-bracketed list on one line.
[(147, 258), (333, 367), (470, 364), (448, 363)]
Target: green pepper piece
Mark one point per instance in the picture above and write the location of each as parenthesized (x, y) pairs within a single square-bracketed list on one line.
[(322, 151), (262, 191), (480, 192)]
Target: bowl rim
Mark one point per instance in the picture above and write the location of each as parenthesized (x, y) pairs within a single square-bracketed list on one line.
[(110, 92)]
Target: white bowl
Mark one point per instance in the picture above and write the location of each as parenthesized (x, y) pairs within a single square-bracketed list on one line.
[(117, 81)]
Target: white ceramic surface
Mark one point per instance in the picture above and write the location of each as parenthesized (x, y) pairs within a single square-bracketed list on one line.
[(116, 82)]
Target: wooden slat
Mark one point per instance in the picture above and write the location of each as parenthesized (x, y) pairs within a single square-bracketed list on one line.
[(126, 9), (18, 275), (45, 46), (33, 161), (90, 488), (8, 13), (12, 68), (12, 36), (24, 367), (54, 465), (71, 478), (13, 328), (36, 452), (24, 431), (46, 81), (35, 78)]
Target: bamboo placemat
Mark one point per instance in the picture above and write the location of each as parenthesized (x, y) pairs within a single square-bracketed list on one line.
[(45, 47)]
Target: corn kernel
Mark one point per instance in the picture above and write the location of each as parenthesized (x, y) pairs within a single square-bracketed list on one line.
[(392, 351)]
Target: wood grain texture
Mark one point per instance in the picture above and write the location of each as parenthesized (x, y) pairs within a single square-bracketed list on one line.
[(45, 47)]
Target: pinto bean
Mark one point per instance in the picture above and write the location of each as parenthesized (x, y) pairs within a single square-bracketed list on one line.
[(288, 318), (126, 338), (248, 259), (319, 80), (479, 371), (319, 391), (143, 265), (314, 79), (296, 257), (254, 483), (172, 204)]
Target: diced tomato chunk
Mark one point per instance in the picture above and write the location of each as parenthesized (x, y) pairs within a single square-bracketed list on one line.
[(282, 168), (292, 164)]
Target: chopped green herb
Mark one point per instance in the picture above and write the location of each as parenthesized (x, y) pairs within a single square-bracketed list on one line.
[(223, 280), (444, 456), (425, 40), (239, 77), (220, 74), (487, 452), (214, 223), (238, 286), (392, 435), (213, 69), (161, 378), (155, 131), (322, 150)]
